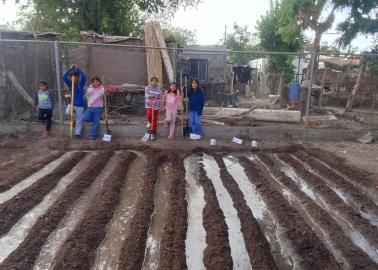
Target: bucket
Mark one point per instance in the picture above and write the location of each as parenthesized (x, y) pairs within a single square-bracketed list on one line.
[(294, 91), (254, 144)]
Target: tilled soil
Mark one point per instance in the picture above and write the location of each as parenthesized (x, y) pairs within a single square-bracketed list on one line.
[(321, 212), (13, 209)]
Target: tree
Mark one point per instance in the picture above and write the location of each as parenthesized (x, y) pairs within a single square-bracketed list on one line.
[(299, 15), (112, 17), (363, 19), (181, 36), (240, 39), (326, 48), (271, 40), (368, 66)]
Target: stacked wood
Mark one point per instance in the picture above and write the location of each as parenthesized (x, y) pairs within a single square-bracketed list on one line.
[(154, 59), (164, 52)]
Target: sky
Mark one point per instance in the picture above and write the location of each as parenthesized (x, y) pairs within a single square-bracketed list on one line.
[(210, 17)]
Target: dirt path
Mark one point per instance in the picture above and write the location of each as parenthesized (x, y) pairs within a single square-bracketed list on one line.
[(108, 252)]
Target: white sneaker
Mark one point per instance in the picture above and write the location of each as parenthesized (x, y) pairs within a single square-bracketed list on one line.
[(148, 125)]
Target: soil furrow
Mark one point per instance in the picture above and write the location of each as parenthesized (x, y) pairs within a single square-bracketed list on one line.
[(217, 254), (309, 251), (30, 180), (12, 210), (132, 253), (356, 177), (17, 171), (159, 218), (195, 241), (239, 253), (172, 249), (327, 229), (78, 252), (344, 214), (73, 218), (25, 255), (256, 243), (269, 226), (357, 200), (17, 234), (108, 252)]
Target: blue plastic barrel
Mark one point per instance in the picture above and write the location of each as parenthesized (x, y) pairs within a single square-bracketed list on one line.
[(294, 91)]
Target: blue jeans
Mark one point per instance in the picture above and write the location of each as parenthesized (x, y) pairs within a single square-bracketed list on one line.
[(195, 122), (79, 111), (93, 115)]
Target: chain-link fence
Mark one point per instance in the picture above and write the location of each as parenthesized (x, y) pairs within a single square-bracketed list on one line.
[(342, 86)]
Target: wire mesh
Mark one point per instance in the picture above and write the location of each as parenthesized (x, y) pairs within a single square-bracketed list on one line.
[(342, 84)]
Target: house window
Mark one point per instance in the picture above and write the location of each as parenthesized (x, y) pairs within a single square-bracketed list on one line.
[(198, 69)]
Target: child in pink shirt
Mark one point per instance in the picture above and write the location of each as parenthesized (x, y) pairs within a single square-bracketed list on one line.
[(172, 100)]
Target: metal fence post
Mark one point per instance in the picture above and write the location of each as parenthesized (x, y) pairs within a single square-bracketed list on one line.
[(310, 81), (58, 81)]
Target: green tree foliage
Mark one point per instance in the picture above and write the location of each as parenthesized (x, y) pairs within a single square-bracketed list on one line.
[(329, 49), (272, 40), (181, 36), (363, 19), (302, 14), (240, 39), (112, 17)]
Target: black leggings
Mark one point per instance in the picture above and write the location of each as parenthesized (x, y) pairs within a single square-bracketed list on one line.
[(46, 115)]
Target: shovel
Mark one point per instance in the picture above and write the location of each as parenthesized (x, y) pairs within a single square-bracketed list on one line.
[(108, 134)]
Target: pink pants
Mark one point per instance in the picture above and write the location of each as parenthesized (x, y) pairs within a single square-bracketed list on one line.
[(170, 121)]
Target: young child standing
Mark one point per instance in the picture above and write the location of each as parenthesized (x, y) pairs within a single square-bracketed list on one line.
[(171, 99), (196, 104), (152, 97), (76, 74), (44, 102), (95, 98)]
